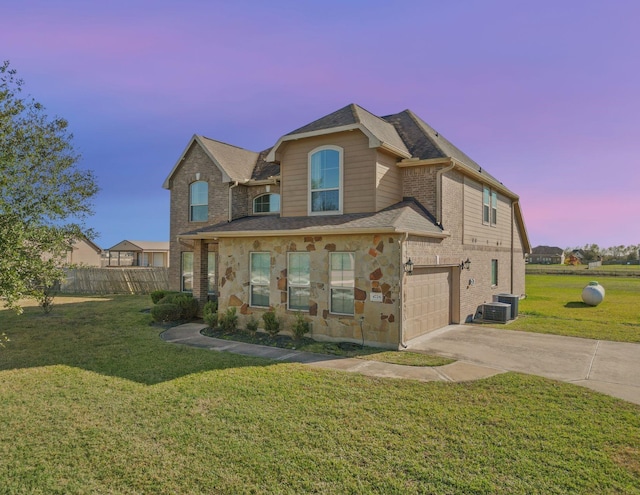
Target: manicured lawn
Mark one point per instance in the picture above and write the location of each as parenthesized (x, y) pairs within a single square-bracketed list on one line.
[(554, 305), (93, 401)]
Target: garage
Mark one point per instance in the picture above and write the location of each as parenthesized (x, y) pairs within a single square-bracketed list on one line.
[(428, 300)]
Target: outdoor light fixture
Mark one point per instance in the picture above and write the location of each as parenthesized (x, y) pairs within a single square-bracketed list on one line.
[(465, 264), (408, 267)]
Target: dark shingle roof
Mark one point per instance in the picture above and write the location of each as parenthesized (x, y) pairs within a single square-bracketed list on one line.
[(264, 169), (555, 251), (406, 216)]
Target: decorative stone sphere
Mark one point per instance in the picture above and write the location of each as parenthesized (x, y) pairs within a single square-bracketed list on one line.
[(593, 294)]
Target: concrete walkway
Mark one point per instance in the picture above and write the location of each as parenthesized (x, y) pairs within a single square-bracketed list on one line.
[(612, 368)]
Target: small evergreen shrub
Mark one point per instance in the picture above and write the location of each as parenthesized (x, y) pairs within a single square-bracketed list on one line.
[(210, 313), (165, 312), (188, 306), (300, 327), (271, 323), (229, 320), (156, 295), (252, 325)]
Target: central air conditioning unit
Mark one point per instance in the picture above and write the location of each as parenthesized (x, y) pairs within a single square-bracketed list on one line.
[(511, 299), (496, 311)]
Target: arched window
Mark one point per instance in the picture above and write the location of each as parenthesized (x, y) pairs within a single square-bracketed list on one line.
[(325, 180), (267, 203), (199, 201)]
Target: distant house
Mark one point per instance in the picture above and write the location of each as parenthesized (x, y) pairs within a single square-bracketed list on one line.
[(547, 255), (84, 252), (139, 253), (374, 228)]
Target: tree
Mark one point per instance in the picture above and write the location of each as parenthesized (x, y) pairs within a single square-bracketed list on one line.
[(44, 196)]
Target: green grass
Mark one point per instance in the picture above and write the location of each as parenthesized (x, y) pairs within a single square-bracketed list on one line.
[(554, 305), (93, 401)]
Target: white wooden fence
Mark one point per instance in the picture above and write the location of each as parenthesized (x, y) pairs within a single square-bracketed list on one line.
[(134, 280)]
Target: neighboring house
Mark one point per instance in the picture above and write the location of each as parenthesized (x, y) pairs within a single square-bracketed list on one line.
[(139, 253), (326, 221), (84, 252), (547, 255)]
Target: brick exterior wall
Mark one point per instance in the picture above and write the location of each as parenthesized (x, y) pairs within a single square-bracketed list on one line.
[(195, 161)]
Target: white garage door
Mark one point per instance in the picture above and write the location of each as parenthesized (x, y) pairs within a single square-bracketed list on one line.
[(428, 303)]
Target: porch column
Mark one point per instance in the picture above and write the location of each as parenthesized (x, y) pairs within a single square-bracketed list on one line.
[(200, 271)]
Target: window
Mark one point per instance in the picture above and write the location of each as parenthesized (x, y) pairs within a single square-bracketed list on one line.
[(267, 203), (199, 201), (259, 279), (494, 273), (325, 178), (186, 280), (299, 281), (211, 275), (342, 279), (489, 206)]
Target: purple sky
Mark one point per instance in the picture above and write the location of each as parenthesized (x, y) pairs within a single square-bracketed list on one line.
[(544, 95)]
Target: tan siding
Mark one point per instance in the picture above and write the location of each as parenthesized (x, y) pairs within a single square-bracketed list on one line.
[(477, 233), (388, 181), (359, 173)]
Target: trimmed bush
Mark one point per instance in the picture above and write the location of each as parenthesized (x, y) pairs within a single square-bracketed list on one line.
[(300, 327), (188, 306), (156, 295), (210, 313), (165, 312), (271, 323), (252, 325), (229, 320)]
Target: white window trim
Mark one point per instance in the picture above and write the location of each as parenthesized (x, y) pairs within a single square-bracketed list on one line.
[(251, 285), (253, 204), (289, 284), (340, 185), (331, 287), (492, 194), (191, 204)]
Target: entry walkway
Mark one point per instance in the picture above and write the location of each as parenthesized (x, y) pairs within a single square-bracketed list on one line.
[(612, 368)]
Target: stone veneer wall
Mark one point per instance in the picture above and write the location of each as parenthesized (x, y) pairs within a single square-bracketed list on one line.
[(377, 270)]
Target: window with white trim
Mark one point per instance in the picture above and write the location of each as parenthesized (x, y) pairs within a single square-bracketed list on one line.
[(199, 201), (489, 206), (494, 273), (186, 269), (267, 203), (260, 266), (298, 281), (342, 278), (211, 273), (325, 180)]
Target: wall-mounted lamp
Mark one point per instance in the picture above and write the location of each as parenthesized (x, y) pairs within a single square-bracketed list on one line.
[(408, 267), (465, 264)]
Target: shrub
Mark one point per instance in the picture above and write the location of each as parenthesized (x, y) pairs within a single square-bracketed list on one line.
[(252, 325), (300, 327), (271, 323), (211, 319), (156, 295), (229, 320), (187, 305), (165, 312)]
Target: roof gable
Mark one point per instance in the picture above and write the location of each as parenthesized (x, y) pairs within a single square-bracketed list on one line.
[(381, 134)]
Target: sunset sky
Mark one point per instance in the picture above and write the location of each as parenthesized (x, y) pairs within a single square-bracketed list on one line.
[(544, 95)]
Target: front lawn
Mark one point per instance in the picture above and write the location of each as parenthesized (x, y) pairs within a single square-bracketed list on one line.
[(554, 305), (93, 401)]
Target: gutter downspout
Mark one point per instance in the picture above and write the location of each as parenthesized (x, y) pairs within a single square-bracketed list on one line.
[(439, 191), (401, 298), (512, 241), (235, 184)]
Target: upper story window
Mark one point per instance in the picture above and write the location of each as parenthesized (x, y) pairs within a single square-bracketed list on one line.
[(198, 201), (489, 206), (267, 203), (325, 180)]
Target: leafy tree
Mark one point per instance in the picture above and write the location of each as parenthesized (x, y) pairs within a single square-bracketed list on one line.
[(44, 196)]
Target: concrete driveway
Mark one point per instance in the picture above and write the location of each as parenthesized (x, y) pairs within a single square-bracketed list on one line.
[(612, 368)]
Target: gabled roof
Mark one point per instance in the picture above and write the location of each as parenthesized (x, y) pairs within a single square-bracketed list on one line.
[(235, 163), (381, 134), (136, 246), (408, 216)]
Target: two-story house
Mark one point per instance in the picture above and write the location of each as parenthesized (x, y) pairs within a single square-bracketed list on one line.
[(368, 225)]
